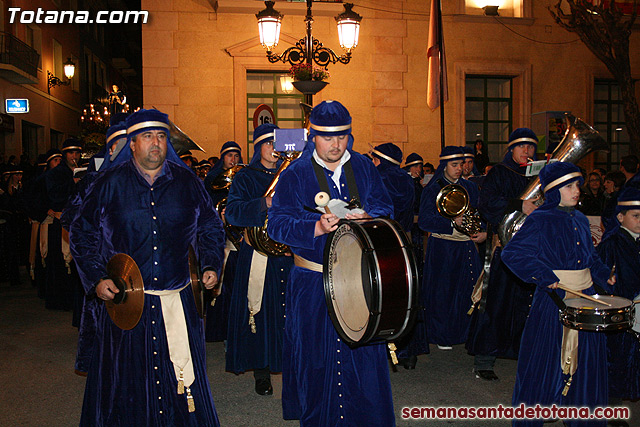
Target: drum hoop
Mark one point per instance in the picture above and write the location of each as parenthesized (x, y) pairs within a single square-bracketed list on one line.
[(371, 258), (411, 272)]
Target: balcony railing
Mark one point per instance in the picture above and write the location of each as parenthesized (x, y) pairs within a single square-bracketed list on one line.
[(19, 54)]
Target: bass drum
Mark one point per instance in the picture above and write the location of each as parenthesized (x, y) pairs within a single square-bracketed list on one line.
[(370, 281)]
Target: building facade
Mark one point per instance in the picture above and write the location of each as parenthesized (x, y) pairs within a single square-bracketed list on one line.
[(32, 50), (201, 58)]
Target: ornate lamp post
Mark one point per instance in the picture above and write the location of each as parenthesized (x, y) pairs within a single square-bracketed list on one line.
[(69, 71), (308, 49)]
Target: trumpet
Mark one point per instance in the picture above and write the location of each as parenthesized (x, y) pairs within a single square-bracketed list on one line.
[(453, 201)]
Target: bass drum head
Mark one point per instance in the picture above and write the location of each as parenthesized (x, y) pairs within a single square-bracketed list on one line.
[(347, 285)]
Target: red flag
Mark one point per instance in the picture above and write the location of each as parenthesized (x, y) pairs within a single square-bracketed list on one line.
[(434, 54)]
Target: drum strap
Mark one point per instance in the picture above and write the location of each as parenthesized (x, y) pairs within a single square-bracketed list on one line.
[(348, 175), (305, 263)]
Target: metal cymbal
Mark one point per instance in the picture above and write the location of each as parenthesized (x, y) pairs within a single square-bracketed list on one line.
[(126, 308), (196, 281)]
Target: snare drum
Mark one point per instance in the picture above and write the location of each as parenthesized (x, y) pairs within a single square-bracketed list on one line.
[(370, 280), (585, 315)]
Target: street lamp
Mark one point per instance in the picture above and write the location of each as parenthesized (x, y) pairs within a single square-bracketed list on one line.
[(308, 50), (69, 72)]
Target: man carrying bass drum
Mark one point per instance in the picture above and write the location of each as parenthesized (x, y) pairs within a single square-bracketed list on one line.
[(325, 382)]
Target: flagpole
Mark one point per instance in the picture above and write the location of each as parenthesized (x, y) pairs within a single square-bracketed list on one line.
[(440, 65)]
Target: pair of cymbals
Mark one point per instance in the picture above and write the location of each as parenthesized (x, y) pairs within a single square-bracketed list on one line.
[(126, 307)]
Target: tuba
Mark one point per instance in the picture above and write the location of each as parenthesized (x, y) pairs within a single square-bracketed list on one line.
[(453, 201), (258, 237), (579, 140)]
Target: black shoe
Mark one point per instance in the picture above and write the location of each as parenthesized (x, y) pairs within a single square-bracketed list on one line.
[(617, 423), (263, 387), (486, 374), (408, 362)]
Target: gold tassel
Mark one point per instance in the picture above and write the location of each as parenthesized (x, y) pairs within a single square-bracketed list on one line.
[(213, 302), (66, 264), (44, 264), (32, 273), (392, 352), (567, 385), (190, 402), (473, 307), (181, 383), (566, 369), (252, 323)]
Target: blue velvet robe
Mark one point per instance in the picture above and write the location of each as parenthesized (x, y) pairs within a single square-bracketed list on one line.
[(451, 269), (247, 207), (556, 239), (400, 187), (90, 305), (325, 382), (217, 318), (621, 250), (131, 370), (497, 330)]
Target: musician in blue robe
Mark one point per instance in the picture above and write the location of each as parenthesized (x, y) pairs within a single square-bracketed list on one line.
[(621, 248), (152, 208), (499, 316), (326, 382), (35, 204), (217, 319), (413, 166), (62, 289), (452, 263), (387, 158), (556, 364), (256, 314), (230, 156)]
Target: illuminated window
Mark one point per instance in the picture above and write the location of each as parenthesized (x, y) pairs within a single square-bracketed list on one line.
[(265, 87)]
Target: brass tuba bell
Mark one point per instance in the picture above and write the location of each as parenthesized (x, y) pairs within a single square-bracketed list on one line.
[(224, 180), (453, 201), (579, 140)]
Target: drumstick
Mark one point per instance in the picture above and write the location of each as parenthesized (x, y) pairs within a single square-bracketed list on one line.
[(322, 200), (581, 295)]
